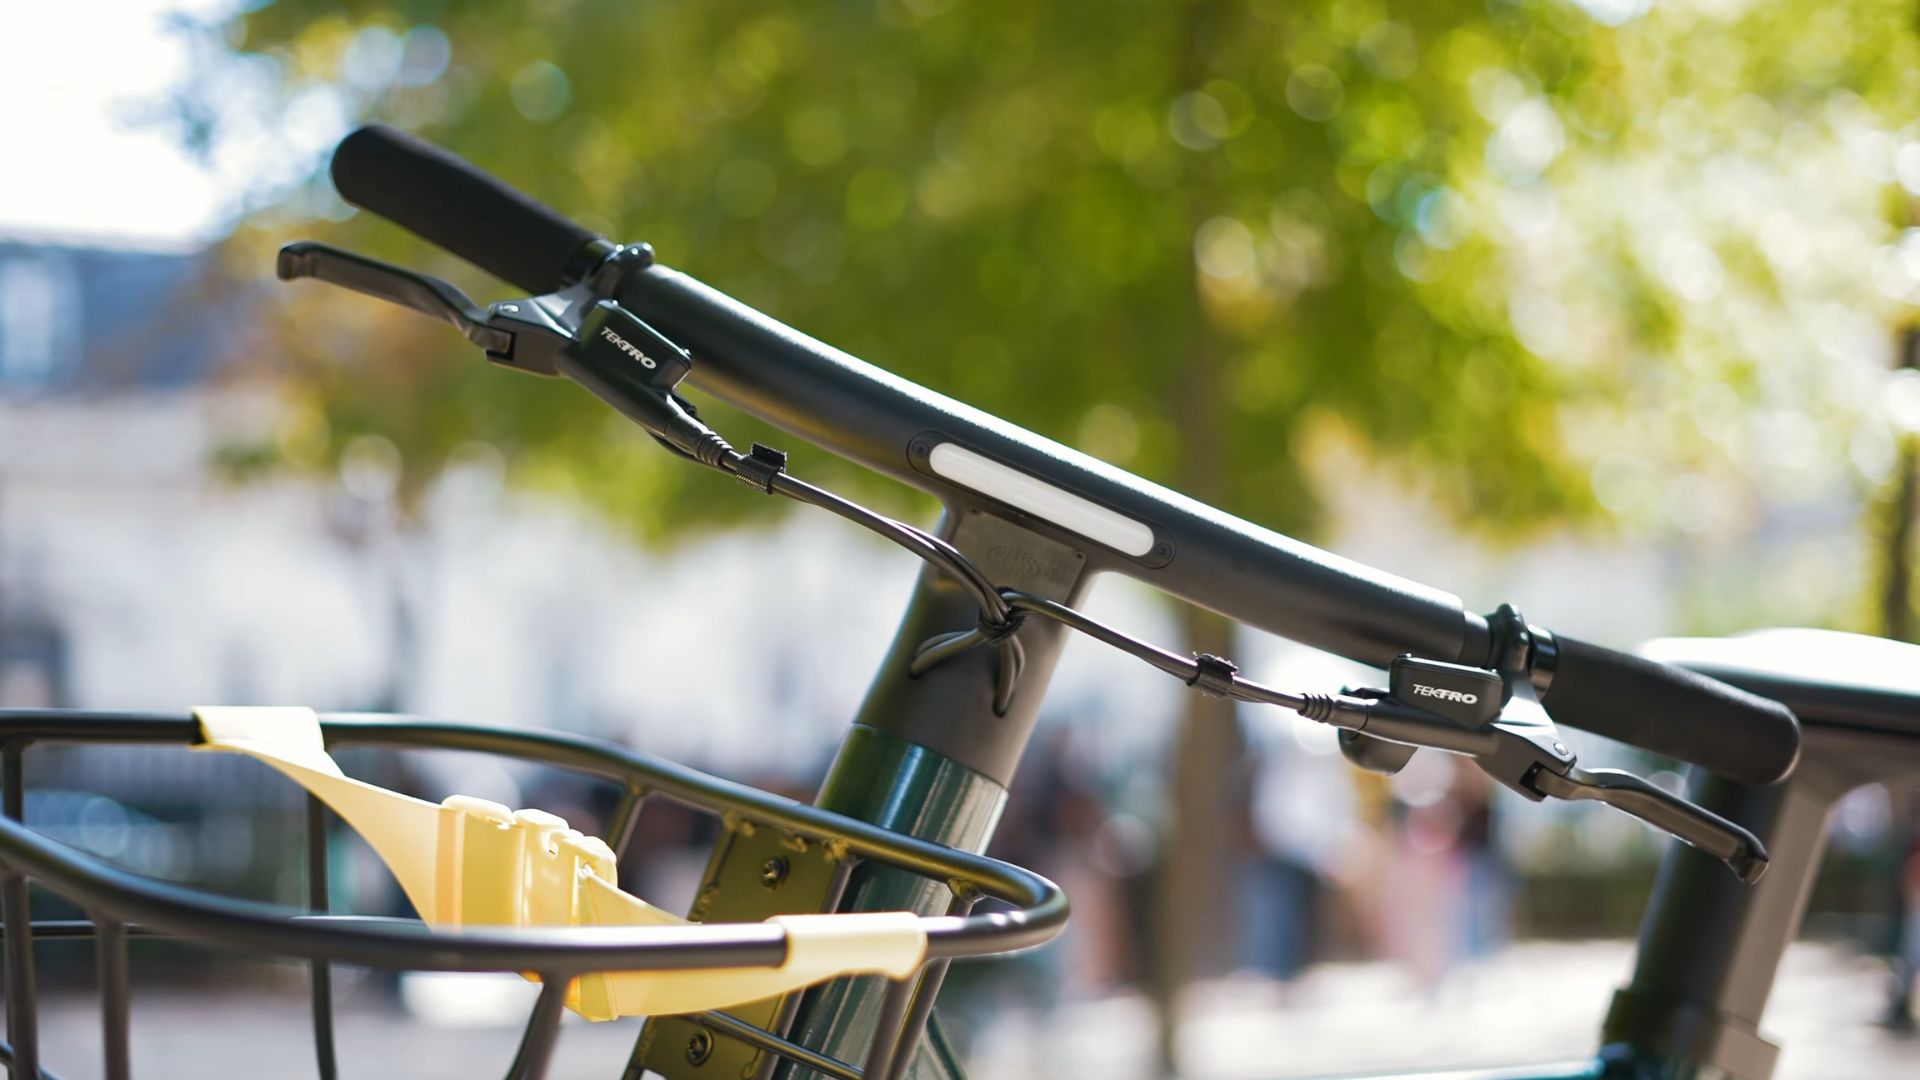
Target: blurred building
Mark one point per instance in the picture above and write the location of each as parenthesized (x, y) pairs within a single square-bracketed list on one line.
[(100, 348), (135, 576)]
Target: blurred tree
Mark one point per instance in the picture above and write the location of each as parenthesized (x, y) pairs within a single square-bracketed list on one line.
[(1901, 501), (1539, 261), (1096, 227), (1641, 262)]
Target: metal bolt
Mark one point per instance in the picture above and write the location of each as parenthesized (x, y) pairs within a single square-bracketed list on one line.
[(1162, 551), (773, 872), (1560, 748), (699, 1048), (510, 308), (919, 448)]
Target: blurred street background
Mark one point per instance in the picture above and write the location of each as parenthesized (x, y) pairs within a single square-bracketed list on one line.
[(1606, 308), (1536, 1002)]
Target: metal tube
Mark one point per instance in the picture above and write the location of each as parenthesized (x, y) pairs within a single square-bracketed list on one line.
[(931, 977), (6, 1061), (77, 929), (13, 776), (681, 784), (23, 1004), (265, 928), (543, 1030), (175, 910), (22, 998), (774, 1044), (888, 1028), (110, 956), (318, 901), (625, 818)]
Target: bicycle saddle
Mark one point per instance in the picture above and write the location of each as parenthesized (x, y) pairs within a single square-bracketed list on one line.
[(1825, 676)]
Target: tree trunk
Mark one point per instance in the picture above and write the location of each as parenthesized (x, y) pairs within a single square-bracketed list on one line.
[(1896, 586), (1195, 920), (1195, 932)]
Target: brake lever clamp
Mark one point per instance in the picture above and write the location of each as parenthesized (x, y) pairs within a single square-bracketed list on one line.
[(1468, 698), (610, 276), (604, 341)]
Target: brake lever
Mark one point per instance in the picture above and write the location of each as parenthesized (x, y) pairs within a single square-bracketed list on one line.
[(1533, 761), (1686, 821), (579, 332), (396, 285)]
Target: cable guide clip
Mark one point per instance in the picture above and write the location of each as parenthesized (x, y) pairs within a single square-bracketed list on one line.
[(1214, 675), (759, 467)]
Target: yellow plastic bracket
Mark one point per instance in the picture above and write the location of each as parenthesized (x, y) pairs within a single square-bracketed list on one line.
[(471, 862)]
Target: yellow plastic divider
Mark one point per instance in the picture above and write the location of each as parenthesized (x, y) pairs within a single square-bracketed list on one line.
[(471, 862)]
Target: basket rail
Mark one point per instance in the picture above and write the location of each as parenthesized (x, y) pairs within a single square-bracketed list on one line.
[(124, 905)]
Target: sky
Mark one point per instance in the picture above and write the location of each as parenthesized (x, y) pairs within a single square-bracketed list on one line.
[(90, 154)]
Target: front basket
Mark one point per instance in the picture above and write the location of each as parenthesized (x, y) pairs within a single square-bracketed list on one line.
[(586, 967)]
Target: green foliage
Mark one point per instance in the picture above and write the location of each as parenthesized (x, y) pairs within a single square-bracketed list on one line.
[(1212, 242)]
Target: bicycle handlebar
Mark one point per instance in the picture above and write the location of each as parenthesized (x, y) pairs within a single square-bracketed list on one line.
[(444, 199), (1194, 552), (1670, 710), (1249, 574)]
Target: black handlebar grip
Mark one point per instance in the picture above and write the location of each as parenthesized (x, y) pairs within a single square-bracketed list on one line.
[(444, 199), (1672, 711)]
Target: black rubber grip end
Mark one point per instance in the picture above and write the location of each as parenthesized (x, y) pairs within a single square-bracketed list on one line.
[(1672, 711), (446, 200)]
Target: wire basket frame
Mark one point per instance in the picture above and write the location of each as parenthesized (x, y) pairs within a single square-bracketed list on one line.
[(124, 905)]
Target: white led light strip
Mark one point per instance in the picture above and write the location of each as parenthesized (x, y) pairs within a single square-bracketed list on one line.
[(1041, 499)]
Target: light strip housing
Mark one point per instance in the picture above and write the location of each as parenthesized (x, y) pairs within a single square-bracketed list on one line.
[(988, 477)]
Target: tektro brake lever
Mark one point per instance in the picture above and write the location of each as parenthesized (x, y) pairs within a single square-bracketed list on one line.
[(1687, 821), (1518, 745), (396, 285), (532, 334), (579, 333)]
